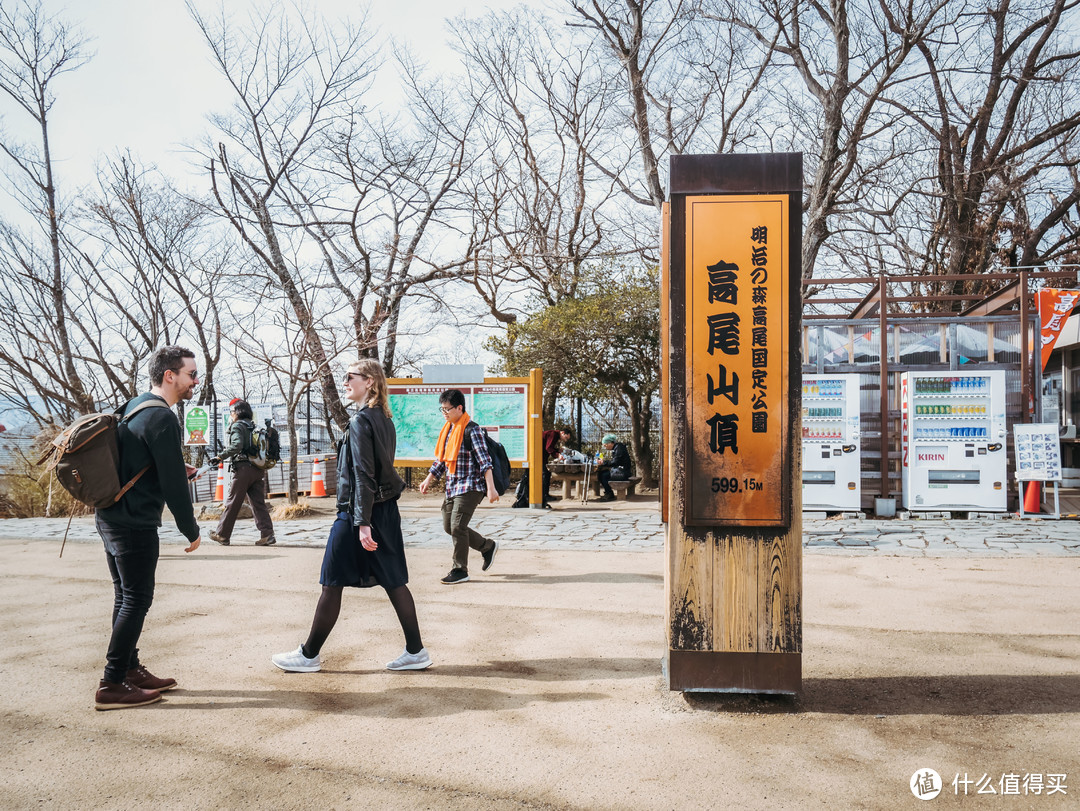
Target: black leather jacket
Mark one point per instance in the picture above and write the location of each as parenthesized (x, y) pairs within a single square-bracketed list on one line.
[(365, 465)]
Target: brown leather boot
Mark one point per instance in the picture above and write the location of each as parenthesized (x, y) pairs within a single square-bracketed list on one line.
[(143, 678), (123, 696)]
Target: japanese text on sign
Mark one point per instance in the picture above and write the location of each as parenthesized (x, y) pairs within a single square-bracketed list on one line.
[(737, 334)]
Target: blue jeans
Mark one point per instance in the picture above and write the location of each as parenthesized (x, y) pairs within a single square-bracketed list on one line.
[(132, 556)]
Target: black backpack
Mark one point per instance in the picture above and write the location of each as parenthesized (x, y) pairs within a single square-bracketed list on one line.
[(500, 462), (273, 444)]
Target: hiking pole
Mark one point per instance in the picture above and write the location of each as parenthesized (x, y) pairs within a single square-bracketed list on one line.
[(585, 486)]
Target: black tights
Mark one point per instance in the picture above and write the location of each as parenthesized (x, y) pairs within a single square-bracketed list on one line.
[(326, 616)]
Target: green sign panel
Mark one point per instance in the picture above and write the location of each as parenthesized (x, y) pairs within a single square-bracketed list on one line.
[(501, 409), (196, 421)]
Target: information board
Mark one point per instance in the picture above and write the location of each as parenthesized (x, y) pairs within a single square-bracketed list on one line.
[(502, 409), (1038, 452)]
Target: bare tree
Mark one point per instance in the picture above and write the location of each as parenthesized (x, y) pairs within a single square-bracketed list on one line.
[(159, 267), (285, 363), (1004, 118), (686, 84), (543, 209), (36, 49), (387, 211), (293, 78), (541, 206), (848, 60)]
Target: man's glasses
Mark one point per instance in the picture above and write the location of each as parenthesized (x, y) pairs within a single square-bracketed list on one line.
[(446, 409)]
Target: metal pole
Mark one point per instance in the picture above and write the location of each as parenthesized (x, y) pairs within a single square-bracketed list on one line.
[(308, 431), (579, 410), (1025, 363), (883, 323)]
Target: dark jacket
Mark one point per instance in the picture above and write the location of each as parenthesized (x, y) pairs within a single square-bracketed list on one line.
[(152, 437), (365, 465), (620, 457)]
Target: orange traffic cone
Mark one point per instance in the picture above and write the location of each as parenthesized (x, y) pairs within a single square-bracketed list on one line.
[(219, 492), (318, 486), (1032, 497)]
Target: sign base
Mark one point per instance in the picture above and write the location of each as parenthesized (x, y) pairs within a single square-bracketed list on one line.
[(692, 671)]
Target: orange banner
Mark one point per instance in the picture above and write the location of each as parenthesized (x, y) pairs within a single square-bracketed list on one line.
[(737, 269), (1054, 309)]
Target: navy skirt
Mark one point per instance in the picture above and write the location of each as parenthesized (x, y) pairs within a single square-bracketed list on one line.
[(347, 563)]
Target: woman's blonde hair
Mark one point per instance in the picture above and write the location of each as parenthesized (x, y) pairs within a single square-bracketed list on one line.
[(378, 397)]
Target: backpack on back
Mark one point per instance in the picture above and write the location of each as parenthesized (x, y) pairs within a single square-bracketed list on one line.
[(273, 444), (86, 458), (500, 462), (258, 449)]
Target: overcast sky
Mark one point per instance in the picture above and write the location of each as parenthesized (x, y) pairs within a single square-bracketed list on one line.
[(150, 84)]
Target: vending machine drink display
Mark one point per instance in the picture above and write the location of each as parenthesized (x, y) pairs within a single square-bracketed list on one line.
[(954, 440), (831, 466)]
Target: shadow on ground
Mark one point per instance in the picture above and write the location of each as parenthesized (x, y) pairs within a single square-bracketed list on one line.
[(915, 695), (584, 577)]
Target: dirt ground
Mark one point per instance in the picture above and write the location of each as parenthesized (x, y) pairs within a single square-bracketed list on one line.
[(547, 688)]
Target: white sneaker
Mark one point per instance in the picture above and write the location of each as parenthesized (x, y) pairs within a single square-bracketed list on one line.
[(295, 662), (411, 661)]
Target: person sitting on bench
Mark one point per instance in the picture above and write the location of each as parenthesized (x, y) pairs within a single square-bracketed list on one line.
[(616, 468)]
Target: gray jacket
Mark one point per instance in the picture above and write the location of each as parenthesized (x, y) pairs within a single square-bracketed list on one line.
[(365, 465)]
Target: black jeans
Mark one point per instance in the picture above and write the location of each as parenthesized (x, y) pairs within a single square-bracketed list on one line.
[(132, 555)]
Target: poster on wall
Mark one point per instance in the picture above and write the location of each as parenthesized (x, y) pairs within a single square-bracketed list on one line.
[(502, 409), (1038, 452)]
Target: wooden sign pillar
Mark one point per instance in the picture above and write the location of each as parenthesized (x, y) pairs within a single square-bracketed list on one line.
[(734, 535)]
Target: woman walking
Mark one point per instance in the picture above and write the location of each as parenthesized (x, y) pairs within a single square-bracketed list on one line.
[(365, 548)]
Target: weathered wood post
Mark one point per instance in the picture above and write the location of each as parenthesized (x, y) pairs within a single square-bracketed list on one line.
[(734, 535)]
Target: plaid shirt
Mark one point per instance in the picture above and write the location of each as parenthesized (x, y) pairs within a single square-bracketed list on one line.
[(468, 476)]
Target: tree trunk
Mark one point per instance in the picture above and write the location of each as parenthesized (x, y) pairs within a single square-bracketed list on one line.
[(640, 438)]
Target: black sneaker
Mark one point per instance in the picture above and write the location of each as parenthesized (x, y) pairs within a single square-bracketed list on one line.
[(221, 539), (455, 576), (605, 498), (489, 556)]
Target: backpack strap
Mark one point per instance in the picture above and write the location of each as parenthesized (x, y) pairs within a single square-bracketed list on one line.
[(468, 438), (126, 417), (141, 406)]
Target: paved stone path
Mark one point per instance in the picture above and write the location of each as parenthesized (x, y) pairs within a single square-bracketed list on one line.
[(630, 530)]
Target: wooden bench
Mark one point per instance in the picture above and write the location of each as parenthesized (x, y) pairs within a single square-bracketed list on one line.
[(624, 489)]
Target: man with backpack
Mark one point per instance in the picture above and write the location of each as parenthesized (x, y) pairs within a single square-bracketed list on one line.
[(461, 453), (248, 480), (150, 441)]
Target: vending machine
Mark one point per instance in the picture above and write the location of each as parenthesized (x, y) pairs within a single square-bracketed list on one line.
[(831, 465), (954, 439)]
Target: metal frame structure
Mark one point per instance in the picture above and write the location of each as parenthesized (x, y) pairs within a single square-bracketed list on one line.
[(1011, 302)]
